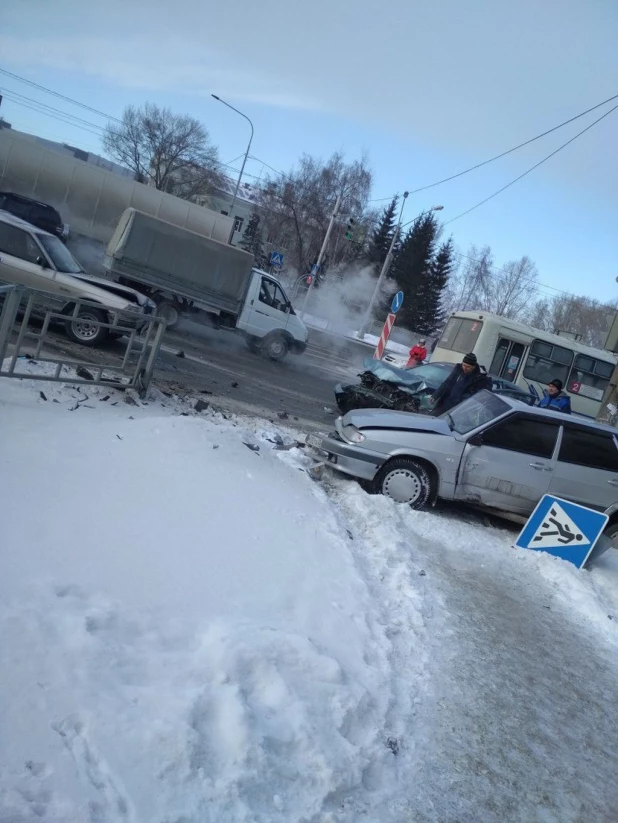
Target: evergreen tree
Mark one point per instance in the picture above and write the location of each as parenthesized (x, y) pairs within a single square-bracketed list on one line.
[(382, 236), (413, 270), (442, 269), (252, 240)]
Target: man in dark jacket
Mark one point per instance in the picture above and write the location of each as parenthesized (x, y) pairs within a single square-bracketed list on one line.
[(555, 399), (465, 380)]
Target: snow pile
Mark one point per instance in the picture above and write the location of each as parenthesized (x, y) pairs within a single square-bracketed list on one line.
[(194, 630)]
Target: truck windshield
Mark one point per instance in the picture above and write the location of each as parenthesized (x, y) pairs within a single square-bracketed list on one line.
[(60, 256), (474, 412)]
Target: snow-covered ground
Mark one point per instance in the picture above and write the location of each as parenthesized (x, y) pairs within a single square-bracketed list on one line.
[(192, 629)]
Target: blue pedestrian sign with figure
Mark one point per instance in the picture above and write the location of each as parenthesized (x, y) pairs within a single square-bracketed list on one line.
[(563, 529), (276, 259), (397, 301)]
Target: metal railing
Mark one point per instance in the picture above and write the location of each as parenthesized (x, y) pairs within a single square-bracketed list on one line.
[(27, 317)]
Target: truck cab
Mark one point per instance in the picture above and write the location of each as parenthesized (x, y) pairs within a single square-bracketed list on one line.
[(269, 320)]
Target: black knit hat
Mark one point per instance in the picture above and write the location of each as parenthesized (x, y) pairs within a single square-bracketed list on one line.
[(557, 383), (470, 359)]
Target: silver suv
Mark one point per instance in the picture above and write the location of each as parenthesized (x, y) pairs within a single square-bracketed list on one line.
[(490, 451)]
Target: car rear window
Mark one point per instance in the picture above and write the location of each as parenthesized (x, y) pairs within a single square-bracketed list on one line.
[(585, 447)]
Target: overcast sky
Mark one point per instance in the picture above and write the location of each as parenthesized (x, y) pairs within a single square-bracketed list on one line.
[(425, 88)]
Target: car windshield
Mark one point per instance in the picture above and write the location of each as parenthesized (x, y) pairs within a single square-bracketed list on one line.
[(476, 411), (432, 374), (60, 256)]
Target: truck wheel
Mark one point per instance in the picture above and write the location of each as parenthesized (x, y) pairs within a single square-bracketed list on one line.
[(276, 347), (85, 329), (405, 481), (170, 313)]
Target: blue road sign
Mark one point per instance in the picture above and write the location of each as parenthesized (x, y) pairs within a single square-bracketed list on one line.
[(276, 259), (397, 301), (563, 529), (314, 269)]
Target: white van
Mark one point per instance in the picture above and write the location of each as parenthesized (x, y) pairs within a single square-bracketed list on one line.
[(38, 260)]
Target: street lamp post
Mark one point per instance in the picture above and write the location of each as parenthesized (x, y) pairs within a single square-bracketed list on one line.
[(242, 168), (387, 264)]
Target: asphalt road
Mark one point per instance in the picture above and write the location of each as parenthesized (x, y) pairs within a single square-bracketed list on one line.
[(219, 365)]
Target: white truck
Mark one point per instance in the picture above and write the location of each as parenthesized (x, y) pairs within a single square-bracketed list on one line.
[(185, 273)]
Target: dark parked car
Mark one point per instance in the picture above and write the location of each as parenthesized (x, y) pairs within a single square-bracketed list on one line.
[(38, 214), (383, 386)]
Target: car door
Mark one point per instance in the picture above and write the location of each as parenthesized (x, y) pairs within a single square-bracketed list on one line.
[(268, 309), (509, 465), (586, 470), (20, 258)]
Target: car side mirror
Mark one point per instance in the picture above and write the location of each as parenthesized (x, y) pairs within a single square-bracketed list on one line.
[(42, 262), (477, 440)]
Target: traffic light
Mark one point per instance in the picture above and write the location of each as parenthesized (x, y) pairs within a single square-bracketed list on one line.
[(350, 228)]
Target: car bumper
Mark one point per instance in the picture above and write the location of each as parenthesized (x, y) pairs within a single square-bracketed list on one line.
[(344, 457)]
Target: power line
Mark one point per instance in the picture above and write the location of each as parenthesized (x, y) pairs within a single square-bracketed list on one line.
[(515, 148), (39, 110), (22, 99), (532, 168), (61, 96)]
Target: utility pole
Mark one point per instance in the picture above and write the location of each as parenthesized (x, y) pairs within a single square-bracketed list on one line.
[(386, 266), (322, 253)]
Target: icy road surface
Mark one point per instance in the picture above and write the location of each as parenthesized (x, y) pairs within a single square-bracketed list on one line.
[(193, 630)]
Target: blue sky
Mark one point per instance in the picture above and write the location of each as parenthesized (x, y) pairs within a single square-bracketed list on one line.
[(424, 88)]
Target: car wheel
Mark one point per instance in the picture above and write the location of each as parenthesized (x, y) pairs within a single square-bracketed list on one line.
[(405, 481), (276, 347), (170, 313), (85, 328)]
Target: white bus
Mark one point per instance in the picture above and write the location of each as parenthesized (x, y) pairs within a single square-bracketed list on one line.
[(528, 356)]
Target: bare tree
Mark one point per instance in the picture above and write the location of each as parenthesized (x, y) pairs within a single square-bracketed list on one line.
[(574, 314), (508, 290), (297, 206), (172, 152)]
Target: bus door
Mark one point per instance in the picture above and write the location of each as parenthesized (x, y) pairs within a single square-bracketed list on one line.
[(507, 359)]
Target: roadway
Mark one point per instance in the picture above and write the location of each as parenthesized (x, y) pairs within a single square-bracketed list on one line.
[(219, 366)]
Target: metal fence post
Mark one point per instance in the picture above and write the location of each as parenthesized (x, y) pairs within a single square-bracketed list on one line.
[(7, 318)]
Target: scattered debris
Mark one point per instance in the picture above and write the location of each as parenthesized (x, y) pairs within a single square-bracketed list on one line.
[(115, 404), (393, 744), (350, 535), (30, 357), (547, 607), (103, 399), (131, 398), (316, 472), (180, 353), (215, 445), (184, 414), (296, 418), (83, 372), (42, 395), (328, 410), (119, 437), (611, 616), (205, 391), (201, 405), (253, 446), (234, 385), (282, 415), (55, 401), (131, 417), (422, 573)]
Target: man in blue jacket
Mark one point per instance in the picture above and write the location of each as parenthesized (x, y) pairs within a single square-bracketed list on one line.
[(555, 399)]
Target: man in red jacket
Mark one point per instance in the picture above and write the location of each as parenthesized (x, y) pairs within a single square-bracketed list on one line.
[(418, 354)]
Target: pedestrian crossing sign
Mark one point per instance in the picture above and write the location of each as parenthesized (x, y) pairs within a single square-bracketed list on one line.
[(564, 529)]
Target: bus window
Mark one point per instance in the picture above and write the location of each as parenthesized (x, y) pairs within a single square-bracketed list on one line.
[(589, 377), (460, 334), (546, 362)]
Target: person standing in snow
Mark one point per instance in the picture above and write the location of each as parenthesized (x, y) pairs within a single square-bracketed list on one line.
[(555, 399), (418, 354), (466, 379)]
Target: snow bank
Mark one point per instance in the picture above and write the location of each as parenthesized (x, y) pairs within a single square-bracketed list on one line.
[(185, 632)]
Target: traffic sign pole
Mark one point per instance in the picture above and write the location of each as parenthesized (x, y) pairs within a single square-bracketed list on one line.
[(318, 262)]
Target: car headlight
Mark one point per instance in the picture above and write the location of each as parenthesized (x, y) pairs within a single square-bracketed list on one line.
[(352, 434)]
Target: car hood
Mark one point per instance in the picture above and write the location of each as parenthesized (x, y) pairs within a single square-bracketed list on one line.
[(387, 419), (125, 292)]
